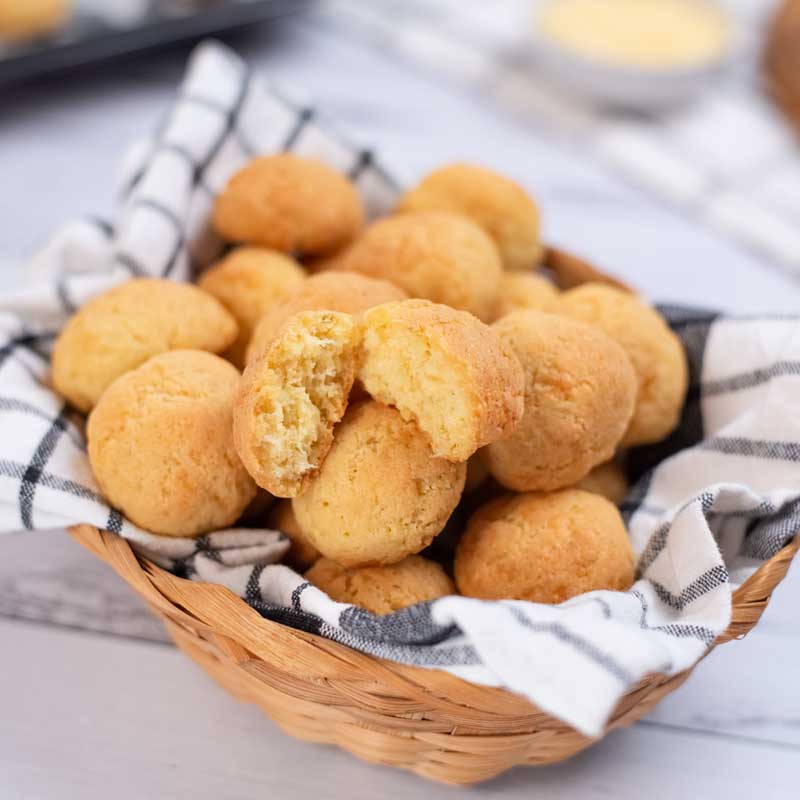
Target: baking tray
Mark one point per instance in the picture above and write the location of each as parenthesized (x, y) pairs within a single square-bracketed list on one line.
[(98, 31)]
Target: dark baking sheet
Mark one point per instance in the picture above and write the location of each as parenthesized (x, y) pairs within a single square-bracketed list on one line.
[(89, 37)]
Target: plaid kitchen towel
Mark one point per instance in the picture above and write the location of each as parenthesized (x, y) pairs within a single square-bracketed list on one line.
[(712, 503)]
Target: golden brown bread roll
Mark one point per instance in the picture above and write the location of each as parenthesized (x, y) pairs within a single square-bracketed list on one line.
[(607, 480), (161, 445), (654, 350), (380, 494), (438, 256), (290, 399), (348, 292), (499, 205), (521, 291), (444, 369), (21, 20), (291, 204), (544, 548), (120, 329), (302, 553), (580, 390), (382, 589), (250, 281)]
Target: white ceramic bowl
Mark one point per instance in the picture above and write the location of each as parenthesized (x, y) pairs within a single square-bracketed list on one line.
[(630, 87)]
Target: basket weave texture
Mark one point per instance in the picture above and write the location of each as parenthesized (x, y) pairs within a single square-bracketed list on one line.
[(423, 720)]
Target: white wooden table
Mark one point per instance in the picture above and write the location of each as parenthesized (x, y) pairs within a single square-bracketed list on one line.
[(116, 711)]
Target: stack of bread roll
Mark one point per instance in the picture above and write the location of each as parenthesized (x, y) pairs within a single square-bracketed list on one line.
[(391, 374)]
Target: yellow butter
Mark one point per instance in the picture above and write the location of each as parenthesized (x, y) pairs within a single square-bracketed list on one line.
[(641, 33)]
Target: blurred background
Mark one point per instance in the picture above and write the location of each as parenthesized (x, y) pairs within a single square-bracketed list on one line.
[(689, 103)]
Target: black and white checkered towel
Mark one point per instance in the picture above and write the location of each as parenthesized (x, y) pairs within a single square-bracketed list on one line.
[(711, 504)]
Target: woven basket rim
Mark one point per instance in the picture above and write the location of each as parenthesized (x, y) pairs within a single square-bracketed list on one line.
[(211, 604)]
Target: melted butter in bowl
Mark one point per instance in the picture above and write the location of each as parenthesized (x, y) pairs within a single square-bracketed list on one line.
[(640, 54)]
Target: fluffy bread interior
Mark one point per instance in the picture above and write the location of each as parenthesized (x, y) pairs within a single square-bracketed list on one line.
[(308, 372), (408, 370)]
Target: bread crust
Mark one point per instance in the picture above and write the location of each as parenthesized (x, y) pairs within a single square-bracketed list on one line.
[(580, 391), (302, 553), (160, 444), (382, 590), (545, 548), (607, 480), (290, 398), (380, 495), (30, 19), (347, 292), (491, 377), (122, 328), (499, 205), (524, 290), (438, 256), (291, 204), (655, 351), (249, 282)]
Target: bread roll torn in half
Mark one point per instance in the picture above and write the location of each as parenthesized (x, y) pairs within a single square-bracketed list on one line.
[(445, 370), (290, 399)]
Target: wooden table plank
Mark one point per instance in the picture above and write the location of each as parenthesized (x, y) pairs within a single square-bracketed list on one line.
[(85, 714)]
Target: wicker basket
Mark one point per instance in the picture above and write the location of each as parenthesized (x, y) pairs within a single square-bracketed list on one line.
[(423, 720), (781, 60)]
